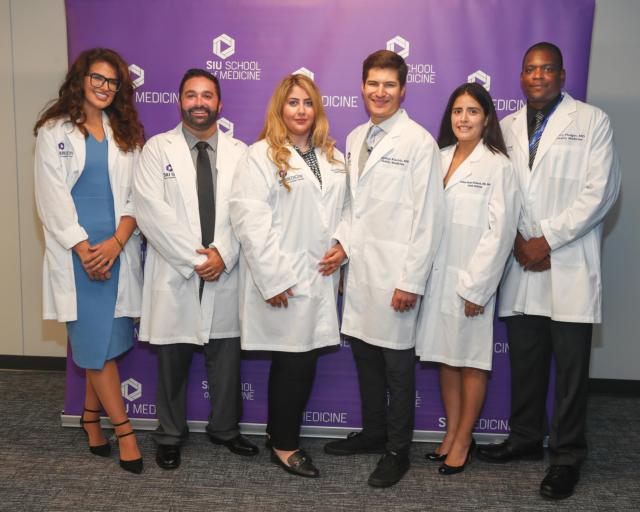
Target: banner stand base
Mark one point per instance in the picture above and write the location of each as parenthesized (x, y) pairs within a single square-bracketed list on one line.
[(258, 429)]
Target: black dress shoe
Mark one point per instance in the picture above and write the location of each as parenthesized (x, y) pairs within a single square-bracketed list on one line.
[(390, 469), (505, 452), (445, 469), (435, 456), (559, 482), (355, 443), (299, 464), (239, 445), (168, 456)]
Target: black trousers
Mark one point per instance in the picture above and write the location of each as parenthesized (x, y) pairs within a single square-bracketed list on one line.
[(386, 417), (290, 381), (532, 342), (222, 360)]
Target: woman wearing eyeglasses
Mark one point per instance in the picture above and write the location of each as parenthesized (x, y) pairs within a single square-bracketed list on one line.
[(88, 140)]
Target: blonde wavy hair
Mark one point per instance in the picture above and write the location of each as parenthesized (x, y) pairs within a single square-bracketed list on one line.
[(275, 131)]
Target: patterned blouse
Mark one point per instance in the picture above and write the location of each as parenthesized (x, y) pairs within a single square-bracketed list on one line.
[(311, 160)]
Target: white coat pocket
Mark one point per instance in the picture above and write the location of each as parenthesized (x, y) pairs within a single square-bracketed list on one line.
[(300, 268), (389, 184), (470, 210), (452, 304)]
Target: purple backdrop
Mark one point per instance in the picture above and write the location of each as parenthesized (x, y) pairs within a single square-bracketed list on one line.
[(250, 45)]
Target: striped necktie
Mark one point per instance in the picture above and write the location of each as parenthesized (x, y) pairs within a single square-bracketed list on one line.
[(539, 118)]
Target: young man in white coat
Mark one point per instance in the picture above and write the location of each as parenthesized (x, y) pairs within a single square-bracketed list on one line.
[(551, 294), (390, 236), (190, 293)]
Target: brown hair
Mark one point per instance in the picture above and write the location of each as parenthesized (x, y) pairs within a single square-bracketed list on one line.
[(385, 59), (128, 132), (275, 131)]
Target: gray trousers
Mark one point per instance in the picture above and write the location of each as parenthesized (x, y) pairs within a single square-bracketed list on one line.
[(222, 360), (380, 370)]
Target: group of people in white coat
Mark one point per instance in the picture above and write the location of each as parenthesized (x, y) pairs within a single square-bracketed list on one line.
[(246, 246)]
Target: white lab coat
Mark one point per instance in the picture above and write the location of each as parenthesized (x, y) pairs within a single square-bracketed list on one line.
[(574, 181), (482, 205), (165, 185), (392, 231), (59, 162), (283, 236)]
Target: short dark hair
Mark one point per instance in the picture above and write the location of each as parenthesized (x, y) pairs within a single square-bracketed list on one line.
[(545, 46), (193, 72), (491, 135), (385, 59)]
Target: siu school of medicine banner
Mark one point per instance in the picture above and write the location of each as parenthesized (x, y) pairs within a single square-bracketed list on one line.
[(250, 45)]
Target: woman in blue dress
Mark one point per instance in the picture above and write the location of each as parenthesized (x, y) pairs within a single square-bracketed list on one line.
[(88, 141)]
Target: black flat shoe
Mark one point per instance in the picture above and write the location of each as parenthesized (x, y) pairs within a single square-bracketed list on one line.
[(435, 456), (168, 456), (445, 469), (239, 445), (559, 482), (299, 464), (133, 466), (506, 452), (101, 450)]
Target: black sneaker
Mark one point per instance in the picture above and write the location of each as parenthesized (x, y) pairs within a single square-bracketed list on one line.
[(355, 443), (391, 468)]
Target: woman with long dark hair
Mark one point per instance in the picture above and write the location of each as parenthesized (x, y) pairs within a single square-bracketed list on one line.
[(88, 140), (455, 325), (286, 201)]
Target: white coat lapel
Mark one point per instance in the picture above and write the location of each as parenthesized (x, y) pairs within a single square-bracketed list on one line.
[(225, 162), (179, 157), (298, 163), (78, 142), (353, 158), (466, 167), (384, 146), (558, 121), (520, 131), (112, 153)]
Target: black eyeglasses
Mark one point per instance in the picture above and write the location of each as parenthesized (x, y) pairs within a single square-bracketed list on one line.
[(97, 81)]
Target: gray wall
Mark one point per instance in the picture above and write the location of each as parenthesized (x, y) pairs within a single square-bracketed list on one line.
[(32, 65)]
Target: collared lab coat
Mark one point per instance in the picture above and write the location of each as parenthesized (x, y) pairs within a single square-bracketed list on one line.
[(165, 185), (392, 231), (283, 236), (59, 162), (574, 182), (482, 205)]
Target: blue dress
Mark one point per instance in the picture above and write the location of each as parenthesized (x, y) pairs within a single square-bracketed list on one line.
[(96, 336)]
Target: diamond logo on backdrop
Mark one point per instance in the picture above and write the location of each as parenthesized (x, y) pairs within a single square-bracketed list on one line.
[(224, 46), (481, 77), (399, 45), (131, 389), (304, 71), (138, 75), (225, 126)]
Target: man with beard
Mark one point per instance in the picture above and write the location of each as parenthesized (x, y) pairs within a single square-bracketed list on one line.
[(190, 292)]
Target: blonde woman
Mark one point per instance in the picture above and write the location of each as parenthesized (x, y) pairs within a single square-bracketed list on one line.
[(286, 201)]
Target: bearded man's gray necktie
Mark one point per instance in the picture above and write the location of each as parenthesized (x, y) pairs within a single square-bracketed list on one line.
[(206, 194)]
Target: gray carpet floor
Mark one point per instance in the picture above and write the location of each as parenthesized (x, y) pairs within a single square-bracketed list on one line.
[(46, 467)]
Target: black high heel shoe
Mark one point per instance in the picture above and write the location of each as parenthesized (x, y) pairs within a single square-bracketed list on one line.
[(101, 450), (135, 465), (445, 469)]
